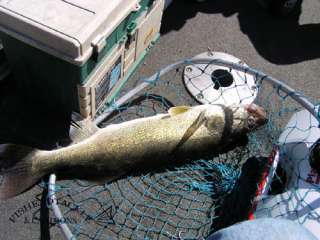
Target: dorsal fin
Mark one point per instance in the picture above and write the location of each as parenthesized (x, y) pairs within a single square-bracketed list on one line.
[(81, 129), (178, 110)]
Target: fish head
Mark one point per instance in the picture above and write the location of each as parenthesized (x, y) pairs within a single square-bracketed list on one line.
[(247, 118), (256, 117)]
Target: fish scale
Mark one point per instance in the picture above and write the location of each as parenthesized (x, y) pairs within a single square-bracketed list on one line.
[(134, 146)]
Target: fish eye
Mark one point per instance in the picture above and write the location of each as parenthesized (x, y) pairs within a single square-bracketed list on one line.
[(251, 123)]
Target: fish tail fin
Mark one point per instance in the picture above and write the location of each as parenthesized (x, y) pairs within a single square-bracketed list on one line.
[(16, 162)]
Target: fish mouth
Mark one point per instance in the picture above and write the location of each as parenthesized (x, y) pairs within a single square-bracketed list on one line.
[(257, 117)]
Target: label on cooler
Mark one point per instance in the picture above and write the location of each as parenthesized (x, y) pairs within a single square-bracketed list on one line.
[(107, 83)]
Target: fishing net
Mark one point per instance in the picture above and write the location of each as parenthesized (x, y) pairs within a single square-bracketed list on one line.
[(194, 199)]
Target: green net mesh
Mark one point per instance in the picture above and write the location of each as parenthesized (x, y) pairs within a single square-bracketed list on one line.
[(192, 200)]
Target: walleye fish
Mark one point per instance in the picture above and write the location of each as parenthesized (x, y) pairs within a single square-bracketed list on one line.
[(144, 143)]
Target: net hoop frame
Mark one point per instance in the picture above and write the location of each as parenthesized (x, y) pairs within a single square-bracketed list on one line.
[(259, 76)]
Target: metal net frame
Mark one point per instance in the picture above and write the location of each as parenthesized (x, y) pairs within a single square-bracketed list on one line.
[(188, 201)]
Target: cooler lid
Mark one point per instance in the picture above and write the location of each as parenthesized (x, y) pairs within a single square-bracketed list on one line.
[(68, 29)]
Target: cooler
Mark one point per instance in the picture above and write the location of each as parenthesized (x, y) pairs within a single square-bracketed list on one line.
[(77, 54)]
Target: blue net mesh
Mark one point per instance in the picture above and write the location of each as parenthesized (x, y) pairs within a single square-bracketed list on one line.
[(193, 200)]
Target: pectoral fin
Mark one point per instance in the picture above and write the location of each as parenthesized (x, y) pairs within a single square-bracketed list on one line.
[(178, 110), (192, 129)]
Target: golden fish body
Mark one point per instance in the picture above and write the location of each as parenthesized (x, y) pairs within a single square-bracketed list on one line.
[(143, 143), (119, 148)]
